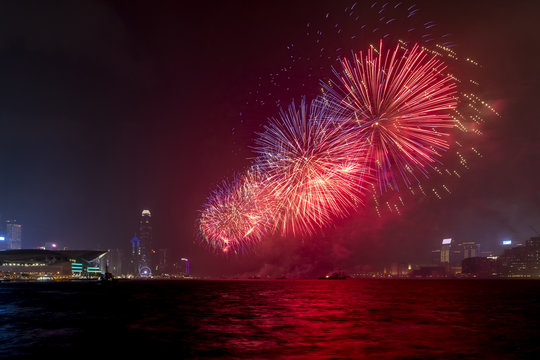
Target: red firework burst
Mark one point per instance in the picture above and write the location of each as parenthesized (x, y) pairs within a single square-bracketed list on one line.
[(398, 103), (313, 173), (234, 218)]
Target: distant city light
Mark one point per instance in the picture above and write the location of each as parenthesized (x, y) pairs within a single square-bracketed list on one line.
[(507, 242), (145, 271), (2, 238), (446, 241), (187, 264)]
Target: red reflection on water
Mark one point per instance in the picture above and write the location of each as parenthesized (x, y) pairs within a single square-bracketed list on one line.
[(355, 319)]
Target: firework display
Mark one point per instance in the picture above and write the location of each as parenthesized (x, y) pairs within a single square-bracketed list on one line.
[(385, 117), (234, 218), (313, 172), (469, 116), (401, 107), (381, 123)]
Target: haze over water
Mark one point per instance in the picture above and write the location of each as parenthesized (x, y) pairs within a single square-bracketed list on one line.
[(313, 319)]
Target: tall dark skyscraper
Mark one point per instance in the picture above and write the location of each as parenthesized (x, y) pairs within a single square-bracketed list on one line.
[(145, 232), (445, 251), (145, 243), (141, 262)]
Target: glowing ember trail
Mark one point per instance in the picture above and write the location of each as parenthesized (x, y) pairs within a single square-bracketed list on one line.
[(398, 104)]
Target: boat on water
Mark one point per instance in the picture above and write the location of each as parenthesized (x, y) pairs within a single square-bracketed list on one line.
[(107, 277), (340, 275)]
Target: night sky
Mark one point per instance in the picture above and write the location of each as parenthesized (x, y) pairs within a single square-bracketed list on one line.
[(109, 108)]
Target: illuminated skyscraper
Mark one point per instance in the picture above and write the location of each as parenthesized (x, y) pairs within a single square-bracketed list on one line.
[(135, 256), (142, 255), (506, 244), (470, 249), (445, 251), (533, 255), (145, 243), (145, 233), (135, 248), (13, 235)]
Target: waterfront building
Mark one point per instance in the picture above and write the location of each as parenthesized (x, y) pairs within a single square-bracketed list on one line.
[(461, 252), (145, 237), (446, 247), (429, 272), (135, 256), (480, 267), (456, 257), (135, 247), (533, 255), (33, 263), (521, 261), (13, 236), (469, 250), (505, 245), (400, 269), (513, 262)]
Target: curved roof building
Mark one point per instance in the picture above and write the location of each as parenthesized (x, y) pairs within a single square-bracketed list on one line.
[(30, 262)]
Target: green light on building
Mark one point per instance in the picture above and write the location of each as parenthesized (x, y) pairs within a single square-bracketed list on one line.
[(76, 268)]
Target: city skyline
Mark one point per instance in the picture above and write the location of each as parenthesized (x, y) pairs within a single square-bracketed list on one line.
[(141, 259), (148, 112)]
